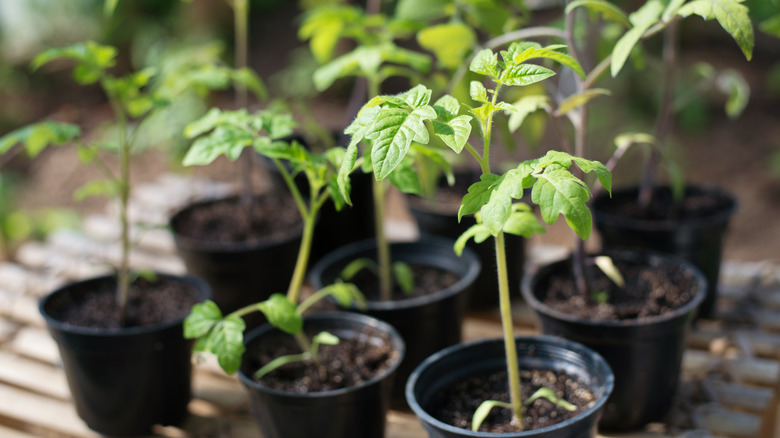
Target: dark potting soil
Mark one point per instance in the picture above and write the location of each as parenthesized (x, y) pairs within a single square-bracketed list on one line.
[(149, 302), (446, 201), (664, 207), (352, 361), (427, 280), (273, 217), (648, 292), (463, 398)]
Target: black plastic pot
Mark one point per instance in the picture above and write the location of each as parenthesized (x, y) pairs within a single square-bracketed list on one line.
[(645, 355), (355, 412), (698, 240), (460, 362), (427, 323), (124, 381), (239, 273), (437, 221)]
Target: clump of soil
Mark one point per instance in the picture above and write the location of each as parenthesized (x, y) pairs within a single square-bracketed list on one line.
[(649, 291), (93, 305), (463, 398), (274, 216), (354, 360), (427, 280)]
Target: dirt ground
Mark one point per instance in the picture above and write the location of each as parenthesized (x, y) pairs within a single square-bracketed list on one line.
[(732, 155)]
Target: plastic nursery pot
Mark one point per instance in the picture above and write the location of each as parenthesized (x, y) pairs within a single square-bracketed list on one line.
[(427, 323), (124, 381), (463, 361), (645, 355), (353, 412), (239, 273), (697, 239)]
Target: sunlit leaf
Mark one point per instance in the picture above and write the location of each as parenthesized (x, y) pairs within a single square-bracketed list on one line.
[(642, 20), (606, 9), (732, 16), (579, 99), (450, 42), (526, 106), (282, 313)]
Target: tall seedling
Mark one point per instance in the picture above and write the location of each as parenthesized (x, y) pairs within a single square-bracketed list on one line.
[(133, 100), (393, 123)]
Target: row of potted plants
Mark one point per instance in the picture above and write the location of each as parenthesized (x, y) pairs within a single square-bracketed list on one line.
[(395, 138)]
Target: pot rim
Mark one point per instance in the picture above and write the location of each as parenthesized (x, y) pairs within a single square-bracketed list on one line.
[(467, 278), (721, 217), (199, 284), (572, 346), (529, 282), (366, 320), (192, 244)]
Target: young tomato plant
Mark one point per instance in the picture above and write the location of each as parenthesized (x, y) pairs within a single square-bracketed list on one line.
[(229, 133), (393, 123), (133, 101), (375, 58)]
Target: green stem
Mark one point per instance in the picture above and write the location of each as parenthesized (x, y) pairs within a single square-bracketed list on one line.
[(123, 186), (382, 244), (241, 36), (505, 308)]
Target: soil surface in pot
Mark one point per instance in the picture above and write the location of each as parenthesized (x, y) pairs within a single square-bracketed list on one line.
[(274, 216), (352, 361), (664, 207), (149, 302), (648, 292), (464, 398), (427, 280)]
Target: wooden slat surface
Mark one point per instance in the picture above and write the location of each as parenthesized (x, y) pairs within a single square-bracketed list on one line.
[(733, 361)]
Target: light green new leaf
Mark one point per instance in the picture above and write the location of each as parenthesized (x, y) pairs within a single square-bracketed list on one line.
[(345, 65), (483, 410), (642, 19), (346, 168), (558, 192), (222, 141), (485, 63), (282, 314), (454, 133), (524, 74), (323, 28), (526, 106), (447, 107), (450, 42), (202, 318), (478, 232), (523, 222), (393, 132), (496, 212), (549, 395), (204, 124), (416, 97), (734, 85), (601, 171), (606, 9), (478, 194), (346, 294), (478, 92), (404, 276), (324, 338), (732, 16), (92, 60), (579, 99), (417, 61), (550, 52)]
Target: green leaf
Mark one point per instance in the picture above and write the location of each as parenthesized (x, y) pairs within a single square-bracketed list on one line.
[(771, 26), (478, 232), (404, 277), (601, 171), (405, 178), (109, 6), (607, 10), (497, 210), (282, 314), (549, 395), (346, 168), (38, 136), (550, 52), (734, 85), (422, 10), (732, 16), (526, 106), (202, 319), (478, 92), (325, 338), (579, 99), (324, 26), (455, 132), (642, 19), (607, 266), (92, 60), (247, 78), (227, 343), (222, 141), (450, 42), (447, 107), (204, 124), (483, 410), (558, 192), (478, 194), (525, 74), (523, 222), (671, 10), (393, 132), (485, 63), (347, 294)]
